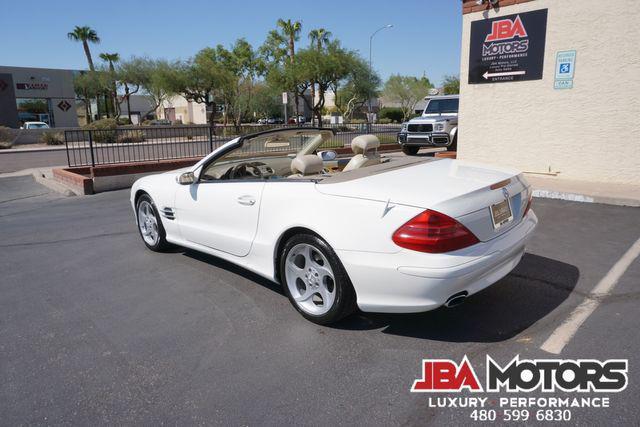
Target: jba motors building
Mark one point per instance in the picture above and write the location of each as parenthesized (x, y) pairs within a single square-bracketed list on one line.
[(552, 87), (38, 94)]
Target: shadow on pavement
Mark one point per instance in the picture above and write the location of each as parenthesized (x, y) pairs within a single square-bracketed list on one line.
[(531, 291), (233, 268)]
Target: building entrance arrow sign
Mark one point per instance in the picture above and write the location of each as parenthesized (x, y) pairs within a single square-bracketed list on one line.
[(487, 74)]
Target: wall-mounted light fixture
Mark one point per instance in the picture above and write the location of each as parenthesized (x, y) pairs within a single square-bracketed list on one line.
[(492, 2)]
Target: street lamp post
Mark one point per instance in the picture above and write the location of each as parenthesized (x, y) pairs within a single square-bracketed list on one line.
[(370, 63)]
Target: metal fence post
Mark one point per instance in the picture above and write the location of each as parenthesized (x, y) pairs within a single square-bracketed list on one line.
[(211, 133), (66, 144), (93, 160)]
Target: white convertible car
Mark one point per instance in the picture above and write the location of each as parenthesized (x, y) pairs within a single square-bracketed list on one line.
[(384, 234)]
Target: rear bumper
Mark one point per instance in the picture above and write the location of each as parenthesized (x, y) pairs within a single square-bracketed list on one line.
[(410, 281), (434, 139)]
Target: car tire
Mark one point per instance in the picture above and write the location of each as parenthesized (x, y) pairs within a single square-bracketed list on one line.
[(410, 151), (305, 263), (151, 230), (454, 144)]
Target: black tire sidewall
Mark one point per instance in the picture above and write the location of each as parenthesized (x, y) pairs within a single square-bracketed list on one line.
[(161, 244), (454, 144), (345, 301), (410, 151)]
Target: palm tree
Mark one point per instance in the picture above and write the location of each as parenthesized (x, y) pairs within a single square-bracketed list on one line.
[(292, 31), (85, 35), (320, 37), (112, 58)]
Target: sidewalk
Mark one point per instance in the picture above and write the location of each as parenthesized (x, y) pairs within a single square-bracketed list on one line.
[(26, 148), (588, 192)]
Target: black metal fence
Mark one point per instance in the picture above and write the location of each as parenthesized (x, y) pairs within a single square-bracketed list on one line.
[(150, 143)]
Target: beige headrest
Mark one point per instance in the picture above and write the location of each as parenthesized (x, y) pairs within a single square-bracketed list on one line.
[(307, 164), (363, 143)]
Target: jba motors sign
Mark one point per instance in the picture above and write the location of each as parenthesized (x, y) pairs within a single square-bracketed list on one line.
[(524, 375), (508, 48)]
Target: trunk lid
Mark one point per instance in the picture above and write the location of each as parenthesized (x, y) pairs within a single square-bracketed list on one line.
[(461, 190)]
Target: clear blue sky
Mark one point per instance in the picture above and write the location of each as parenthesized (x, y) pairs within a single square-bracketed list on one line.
[(425, 37)]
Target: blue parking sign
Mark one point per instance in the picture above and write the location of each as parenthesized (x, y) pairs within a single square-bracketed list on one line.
[(565, 69)]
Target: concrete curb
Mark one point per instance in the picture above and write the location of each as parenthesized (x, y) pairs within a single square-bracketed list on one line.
[(584, 198), (32, 150), (45, 177)]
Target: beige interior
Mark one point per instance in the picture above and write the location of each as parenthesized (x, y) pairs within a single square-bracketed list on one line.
[(307, 164), (303, 166), (365, 150)]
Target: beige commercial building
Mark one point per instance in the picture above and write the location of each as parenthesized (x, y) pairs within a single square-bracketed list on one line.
[(561, 99), (179, 109)]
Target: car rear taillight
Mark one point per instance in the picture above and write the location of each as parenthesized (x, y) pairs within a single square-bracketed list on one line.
[(434, 233), (526, 209)]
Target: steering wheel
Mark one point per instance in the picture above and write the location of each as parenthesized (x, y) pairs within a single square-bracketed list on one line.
[(245, 169)]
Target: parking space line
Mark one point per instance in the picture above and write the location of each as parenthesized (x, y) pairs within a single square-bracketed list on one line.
[(563, 334)]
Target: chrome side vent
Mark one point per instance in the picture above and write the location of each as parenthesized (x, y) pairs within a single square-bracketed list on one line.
[(168, 213)]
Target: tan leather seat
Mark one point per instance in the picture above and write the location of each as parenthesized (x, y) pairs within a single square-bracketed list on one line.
[(305, 165), (365, 148)]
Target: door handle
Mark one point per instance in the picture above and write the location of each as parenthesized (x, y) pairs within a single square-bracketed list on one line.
[(246, 200)]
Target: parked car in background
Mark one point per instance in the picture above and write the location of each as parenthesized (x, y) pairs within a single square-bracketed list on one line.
[(34, 125), (362, 233), (436, 127), (299, 120)]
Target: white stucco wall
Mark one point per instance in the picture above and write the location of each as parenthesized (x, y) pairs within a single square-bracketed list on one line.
[(186, 111), (588, 133)]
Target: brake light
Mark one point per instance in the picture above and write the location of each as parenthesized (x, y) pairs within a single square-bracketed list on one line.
[(526, 209), (433, 232)]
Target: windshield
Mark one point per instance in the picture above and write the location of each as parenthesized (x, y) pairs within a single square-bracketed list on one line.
[(37, 125), (440, 106), (266, 155)]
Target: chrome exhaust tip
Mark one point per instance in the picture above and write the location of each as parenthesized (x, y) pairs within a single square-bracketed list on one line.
[(456, 299)]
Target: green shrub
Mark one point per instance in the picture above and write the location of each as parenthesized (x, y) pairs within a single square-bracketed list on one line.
[(391, 113), (6, 137), (102, 124), (52, 138), (124, 121), (385, 121), (105, 130), (129, 136)]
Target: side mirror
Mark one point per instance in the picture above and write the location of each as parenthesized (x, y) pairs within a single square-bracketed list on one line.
[(187, 178), (327, 155)]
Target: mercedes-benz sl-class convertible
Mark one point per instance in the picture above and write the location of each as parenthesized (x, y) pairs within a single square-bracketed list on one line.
[(389, 234)]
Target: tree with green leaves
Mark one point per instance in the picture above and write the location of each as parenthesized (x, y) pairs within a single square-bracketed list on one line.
[(281, 44), (85, 35), (406, 91), (202, 78), (90, 85), (361, 84), (291, 30), (451, 85), (243, 65), (159, 79), (111, 59), (319, 37)]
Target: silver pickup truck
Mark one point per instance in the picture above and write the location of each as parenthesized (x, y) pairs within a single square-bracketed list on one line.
[(437, 127)]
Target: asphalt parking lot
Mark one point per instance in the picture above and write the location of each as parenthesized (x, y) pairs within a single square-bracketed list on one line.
[(96, 329)]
